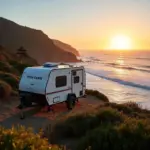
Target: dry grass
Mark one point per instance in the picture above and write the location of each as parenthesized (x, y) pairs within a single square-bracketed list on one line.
[(97, 94), (104, 126), (11, 79), (5, 90)]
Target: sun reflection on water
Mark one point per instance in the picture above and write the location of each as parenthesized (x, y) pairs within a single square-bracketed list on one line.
[(120, 62)]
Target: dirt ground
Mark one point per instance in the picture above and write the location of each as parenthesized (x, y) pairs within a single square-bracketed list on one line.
[(38, 118), (10, 114)]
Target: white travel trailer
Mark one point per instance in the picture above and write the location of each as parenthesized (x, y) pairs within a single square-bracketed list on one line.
[(52, 83)]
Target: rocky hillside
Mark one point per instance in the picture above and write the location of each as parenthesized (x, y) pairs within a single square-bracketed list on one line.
[(66, 47), (11, 68), (6, 56), (39, 45)]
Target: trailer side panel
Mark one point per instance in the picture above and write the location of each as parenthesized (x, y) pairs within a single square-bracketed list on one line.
[(58, 86), (34, 80)]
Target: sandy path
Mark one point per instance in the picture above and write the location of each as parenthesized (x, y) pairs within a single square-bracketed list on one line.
[(8, 108), (9, 113)]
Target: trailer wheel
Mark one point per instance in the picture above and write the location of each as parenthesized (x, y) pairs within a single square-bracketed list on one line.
[(71, 100), (27, 101)]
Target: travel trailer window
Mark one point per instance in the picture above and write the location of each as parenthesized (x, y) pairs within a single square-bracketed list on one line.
[(76, 79), (61, 81)]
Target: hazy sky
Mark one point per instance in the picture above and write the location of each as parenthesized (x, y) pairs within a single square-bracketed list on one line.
[(85, 24)]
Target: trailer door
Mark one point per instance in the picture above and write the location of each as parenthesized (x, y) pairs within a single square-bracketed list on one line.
[(77, 82)]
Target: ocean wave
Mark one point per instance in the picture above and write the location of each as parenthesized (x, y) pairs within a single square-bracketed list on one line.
[(146, 66), (142, 58), (115, 65), (93, 59), (132, 84)]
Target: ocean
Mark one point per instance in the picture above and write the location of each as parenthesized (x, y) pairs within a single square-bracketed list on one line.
[(124, 76)]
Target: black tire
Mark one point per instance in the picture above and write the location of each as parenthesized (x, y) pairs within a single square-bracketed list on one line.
[(71, 101), (27, 101)]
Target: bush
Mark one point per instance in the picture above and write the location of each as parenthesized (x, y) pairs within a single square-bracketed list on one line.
[(14, 93), (131, 109), (98, 139), (5, 90), (79, 125), (11, 79), (6, 67), (109, 126), (97, 94), (109, 116), (20, 67), (132, 134), (21, 138), (120, 107)]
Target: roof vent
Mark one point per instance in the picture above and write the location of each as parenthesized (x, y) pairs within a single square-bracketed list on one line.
[(49, 65), (60, 65)]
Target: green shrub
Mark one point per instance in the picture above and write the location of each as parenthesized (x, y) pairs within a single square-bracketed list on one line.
[(109, 126), (109, 115), (131, 109), (112, 126), (5, 90), (20, 138), (79, 125), (98, 139), (18, 66), (97, 94), (132, 134), (6, 67), (11, 79), (121, 107), (14, 93)]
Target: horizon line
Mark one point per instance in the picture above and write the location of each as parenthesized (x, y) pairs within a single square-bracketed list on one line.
[(114, 49)]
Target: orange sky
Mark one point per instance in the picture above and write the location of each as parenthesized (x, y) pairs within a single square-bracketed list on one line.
[(85, 24)]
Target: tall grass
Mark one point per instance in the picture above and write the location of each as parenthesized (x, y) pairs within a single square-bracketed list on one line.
[(19, 66), (79, 125), (131, 134), (97, 94), (5, 90), (112, 126), (10, 79)]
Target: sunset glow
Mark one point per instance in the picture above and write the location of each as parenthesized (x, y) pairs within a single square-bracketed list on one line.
[(86, 25), (120, 42)]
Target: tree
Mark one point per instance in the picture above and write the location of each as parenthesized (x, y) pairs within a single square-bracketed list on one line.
[(21, 52)]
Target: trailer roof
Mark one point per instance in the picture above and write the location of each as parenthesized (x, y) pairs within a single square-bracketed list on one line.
[(50, 67)]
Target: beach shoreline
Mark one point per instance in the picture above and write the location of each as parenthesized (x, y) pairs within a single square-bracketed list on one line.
[(118, 93)]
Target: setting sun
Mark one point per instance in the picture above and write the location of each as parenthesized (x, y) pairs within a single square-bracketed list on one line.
[(120, 42)]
